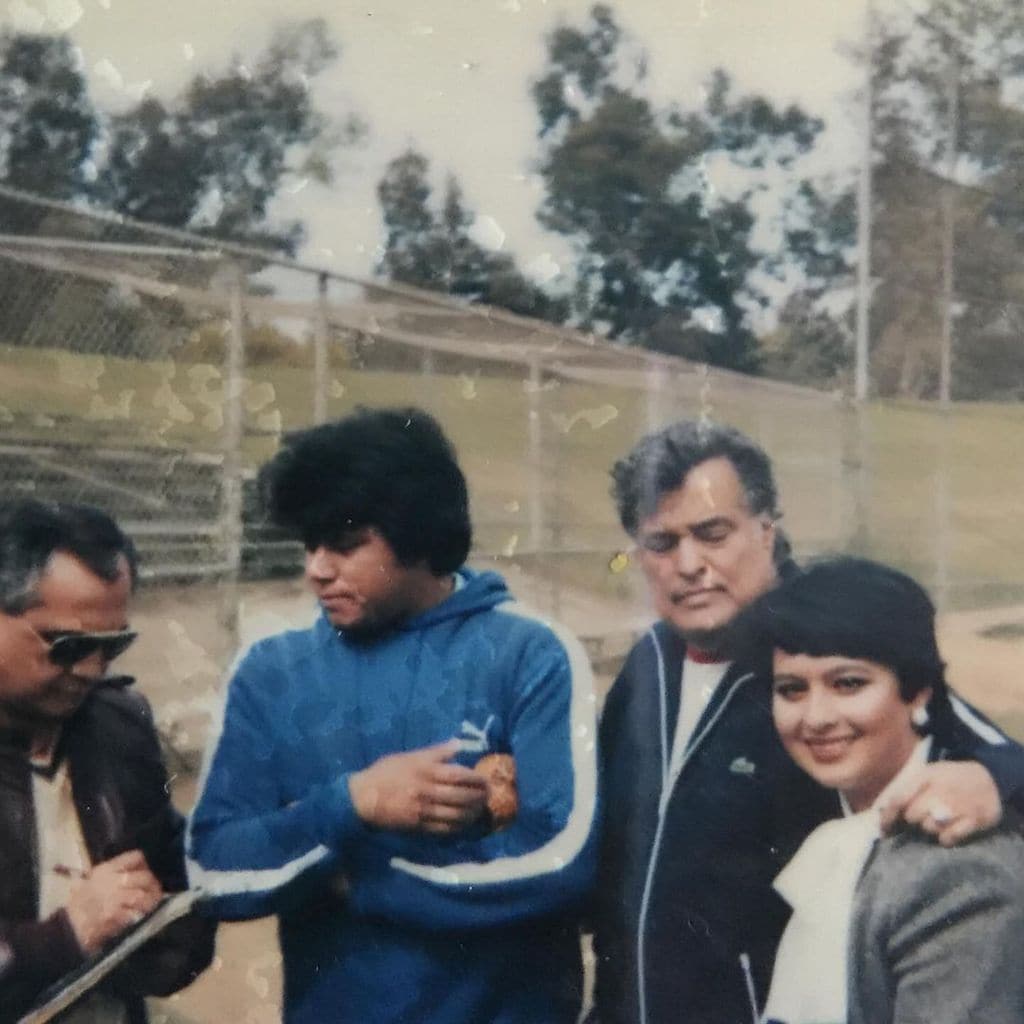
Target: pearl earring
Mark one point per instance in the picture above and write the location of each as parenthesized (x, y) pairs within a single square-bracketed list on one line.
[(919, 717)]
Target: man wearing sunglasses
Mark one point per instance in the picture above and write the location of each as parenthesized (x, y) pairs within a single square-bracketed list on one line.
[(89, 841)]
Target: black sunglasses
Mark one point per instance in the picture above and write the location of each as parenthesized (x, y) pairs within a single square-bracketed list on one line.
[(68, 648)]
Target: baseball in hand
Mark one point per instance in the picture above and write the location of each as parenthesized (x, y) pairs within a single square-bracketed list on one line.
[(502, 799)]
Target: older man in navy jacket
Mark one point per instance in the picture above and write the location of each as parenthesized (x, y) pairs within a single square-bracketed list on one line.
[(703, 806)]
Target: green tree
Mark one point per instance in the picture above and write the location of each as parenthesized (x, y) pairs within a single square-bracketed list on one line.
[(429, 244), (212, 159), (813, 341), (584, 58), (947, 131), (946, 126), (48, 125), (48, 129), (660, 259), (810, 346)]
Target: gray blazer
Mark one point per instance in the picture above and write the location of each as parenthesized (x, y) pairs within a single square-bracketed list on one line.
[(937, 935)]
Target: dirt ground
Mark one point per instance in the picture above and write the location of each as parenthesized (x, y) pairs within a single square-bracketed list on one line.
[(988, 669), (180, 661)]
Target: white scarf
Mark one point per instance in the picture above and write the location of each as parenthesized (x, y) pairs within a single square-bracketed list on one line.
[(810, 976)]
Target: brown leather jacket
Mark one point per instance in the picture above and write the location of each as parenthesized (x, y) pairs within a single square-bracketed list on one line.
[(119, 783)]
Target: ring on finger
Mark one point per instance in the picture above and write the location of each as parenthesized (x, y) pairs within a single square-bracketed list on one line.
[(940, 813)]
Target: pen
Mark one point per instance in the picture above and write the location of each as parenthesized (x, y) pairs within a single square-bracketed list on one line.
[(65, 872)]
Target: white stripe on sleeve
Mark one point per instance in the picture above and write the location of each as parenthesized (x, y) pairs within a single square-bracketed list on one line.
[(239, 883), (224, 882), (987, 732)]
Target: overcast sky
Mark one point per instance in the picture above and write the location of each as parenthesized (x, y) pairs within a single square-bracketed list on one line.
[(451, 77)]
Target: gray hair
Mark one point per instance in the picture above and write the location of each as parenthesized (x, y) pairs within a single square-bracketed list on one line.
[(31, 532), (660, 462)]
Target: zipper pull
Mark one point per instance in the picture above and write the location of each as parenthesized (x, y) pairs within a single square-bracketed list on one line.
[(748, 977)]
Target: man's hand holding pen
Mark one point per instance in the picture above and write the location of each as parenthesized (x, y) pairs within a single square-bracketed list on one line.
[(110, 898)]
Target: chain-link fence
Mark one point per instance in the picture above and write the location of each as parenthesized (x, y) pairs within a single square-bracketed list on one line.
[(151, 371)]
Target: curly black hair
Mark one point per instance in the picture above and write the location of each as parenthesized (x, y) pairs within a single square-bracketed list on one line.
[(390, 469)]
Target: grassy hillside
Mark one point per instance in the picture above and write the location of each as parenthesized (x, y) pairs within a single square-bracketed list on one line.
[(936, 494)]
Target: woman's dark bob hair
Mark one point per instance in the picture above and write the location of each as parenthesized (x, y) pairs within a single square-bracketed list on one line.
[(390, 469), (857, 609)]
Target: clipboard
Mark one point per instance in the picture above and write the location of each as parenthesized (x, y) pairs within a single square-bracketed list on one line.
[(64, 992)]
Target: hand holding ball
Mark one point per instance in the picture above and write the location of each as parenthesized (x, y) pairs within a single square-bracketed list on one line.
[(502, 798)]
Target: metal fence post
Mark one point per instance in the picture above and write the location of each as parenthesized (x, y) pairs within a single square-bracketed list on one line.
[(320, 360), (943, 504), (231, 483), (856, 454), (559, 507), (535, 442), (655, 386)]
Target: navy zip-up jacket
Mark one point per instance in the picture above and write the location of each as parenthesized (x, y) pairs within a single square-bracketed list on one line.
[(388, 926), (687, 922)]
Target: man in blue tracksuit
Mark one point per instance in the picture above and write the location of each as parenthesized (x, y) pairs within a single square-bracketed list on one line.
[(702, 805), (341, 794)]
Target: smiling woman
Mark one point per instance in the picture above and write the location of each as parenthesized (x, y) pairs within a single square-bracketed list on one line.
[(860, 702), (845, 722)]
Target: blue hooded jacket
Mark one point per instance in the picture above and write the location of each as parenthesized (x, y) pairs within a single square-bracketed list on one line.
[(380, 925)]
